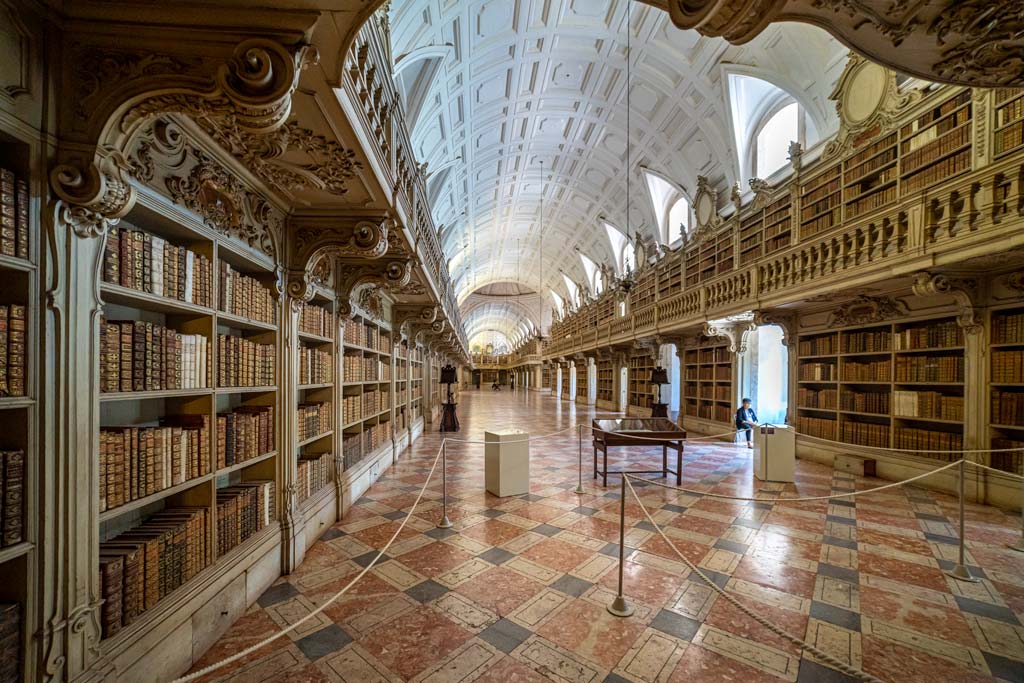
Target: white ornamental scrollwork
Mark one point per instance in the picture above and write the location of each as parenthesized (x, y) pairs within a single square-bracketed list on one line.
[(961, 289)]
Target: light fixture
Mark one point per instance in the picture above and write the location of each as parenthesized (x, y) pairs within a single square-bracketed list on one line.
[(540, 282), (625, 282)]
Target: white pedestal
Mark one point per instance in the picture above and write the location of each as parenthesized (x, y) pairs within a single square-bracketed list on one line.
[(507, 465), (775, 453)]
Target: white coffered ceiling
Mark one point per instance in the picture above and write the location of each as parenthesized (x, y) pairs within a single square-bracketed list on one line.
[(515, 100)]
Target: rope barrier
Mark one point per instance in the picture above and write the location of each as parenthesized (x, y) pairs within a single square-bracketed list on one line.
[(998, 471), (291, 627), (782, 633), (850, 494)]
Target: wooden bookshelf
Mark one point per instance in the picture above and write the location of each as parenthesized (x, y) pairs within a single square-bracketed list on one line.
[(936, 145), (751, 237), (724, 252), (605, 381), (1008, 134), (19, 409), (145, 485), (581, 380), (889, 385), (821, 202), (869, 176), (316, 394), (566, 384), (669, 273), (640, 366), (778, 224), (375, 391), (1006, 413), (707, 370)]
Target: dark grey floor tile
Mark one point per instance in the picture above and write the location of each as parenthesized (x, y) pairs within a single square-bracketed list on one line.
[(988, 610), (931, 518), (646, 526), (426, 591), (394, 515), (673, 508), (676, 625), (939, 538), (835, 615), (946, 565), (584, 510), (321, 643), (492, 513), (611, 550), (365, 559), (1006, 669), (276, 594), (843, 502), (496, 555), (332, 534), (841, 542), (505, 635), (546, 529), (747, 523), (441, 533), (719, 579), (732, 546), (571, 585), (840, 520), (850, 575), (812, 672), (615, 678)]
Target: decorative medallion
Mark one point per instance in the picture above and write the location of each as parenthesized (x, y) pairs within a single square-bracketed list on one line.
[(867, 309)]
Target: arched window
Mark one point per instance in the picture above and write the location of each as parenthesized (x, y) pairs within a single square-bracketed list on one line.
[(671, 207), (771, 148), (574, 291), (593, 275), (559, 302), (622, 248)]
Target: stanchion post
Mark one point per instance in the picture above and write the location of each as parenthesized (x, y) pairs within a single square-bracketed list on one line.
[(619, 606), (1019, 545), (579, 486), (445, 523), (960, 572)]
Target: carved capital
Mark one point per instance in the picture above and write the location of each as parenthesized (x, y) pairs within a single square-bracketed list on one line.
[(963, 291), (784, 319), (736, 332), (94, 191)]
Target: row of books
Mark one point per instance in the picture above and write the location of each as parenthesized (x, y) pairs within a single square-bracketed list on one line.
[(821, 223), (869, 160), (13, 346), (367, 369), (146, 263), (934, 335), (826, 345), (930, 368), (873, 198), (817, 372), (313, 473), (375, 435), (314, 419), (940, 170), (946, 135), (718, 354), (136, 462), (820, 186), (137, 355), (244, 363), (912, 438), (867, 341), (14, 215), (1009, 110), (316, 320), (867, 371), (245, 433), (929, 404), (818, 427), (242, 510), (1007, 408), (1011, 461), (245, 296), (822, 399), (143, 565), (1009, 138), (369, 336), (10, 642), (12, 497), (1008, 366), (865, 402), (865, 433), (316, 366), (1008, 328), (352, 448)]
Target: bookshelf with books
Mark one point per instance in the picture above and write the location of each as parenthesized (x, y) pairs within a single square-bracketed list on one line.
[(1006, 372), (707, 370), (416, 391), (605, 381), (821, 206), (1009, 121), (751, 237), (888, 385), (19, 449), (869, 176), (778, 224), (936, 145), (372, 383), (640, 366), (582, 381), (188, 438)]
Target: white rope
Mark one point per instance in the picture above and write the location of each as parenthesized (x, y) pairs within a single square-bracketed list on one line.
[(850, 494), (532, 438), (799, 642), (998, 471), (291, 627)]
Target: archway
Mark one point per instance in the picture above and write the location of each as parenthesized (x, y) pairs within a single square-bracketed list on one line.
[(765, 374)]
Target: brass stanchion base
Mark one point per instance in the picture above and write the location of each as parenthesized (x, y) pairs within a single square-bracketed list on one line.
[(579, 489), (620, 607), (445, 523), (962, 573)]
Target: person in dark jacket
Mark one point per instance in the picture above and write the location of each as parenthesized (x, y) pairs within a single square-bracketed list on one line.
[(746, 420)]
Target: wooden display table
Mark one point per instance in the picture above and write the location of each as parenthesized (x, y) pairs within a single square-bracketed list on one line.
[(655, 431)]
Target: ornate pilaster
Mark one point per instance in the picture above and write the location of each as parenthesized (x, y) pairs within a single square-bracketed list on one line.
[(293, 523), (787, 321)]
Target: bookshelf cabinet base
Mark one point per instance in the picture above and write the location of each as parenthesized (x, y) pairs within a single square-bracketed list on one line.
[(320, 512), (415, 432), (360, 477), (637, 411), (701, 427), (172, 636)]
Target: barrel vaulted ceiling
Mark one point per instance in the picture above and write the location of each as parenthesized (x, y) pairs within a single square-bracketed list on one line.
[(512, 101)]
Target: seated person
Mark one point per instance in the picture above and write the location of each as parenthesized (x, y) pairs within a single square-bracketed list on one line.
[(746, 420)]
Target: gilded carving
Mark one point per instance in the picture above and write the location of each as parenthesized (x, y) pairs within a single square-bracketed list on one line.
[(867, 309)]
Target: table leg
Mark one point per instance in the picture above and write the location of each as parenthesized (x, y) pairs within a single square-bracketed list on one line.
[(664, 461), (595, 462), (679, 465), (605, 484)]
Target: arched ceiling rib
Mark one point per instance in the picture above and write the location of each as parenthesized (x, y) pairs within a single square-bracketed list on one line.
[(530, 100)]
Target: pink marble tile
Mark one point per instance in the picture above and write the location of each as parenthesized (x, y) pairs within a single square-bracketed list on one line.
[(591, 631), (420, 638)]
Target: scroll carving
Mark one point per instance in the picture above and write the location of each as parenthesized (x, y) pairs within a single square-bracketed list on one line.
[(867, 309), (963, 291), (785, 320)]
